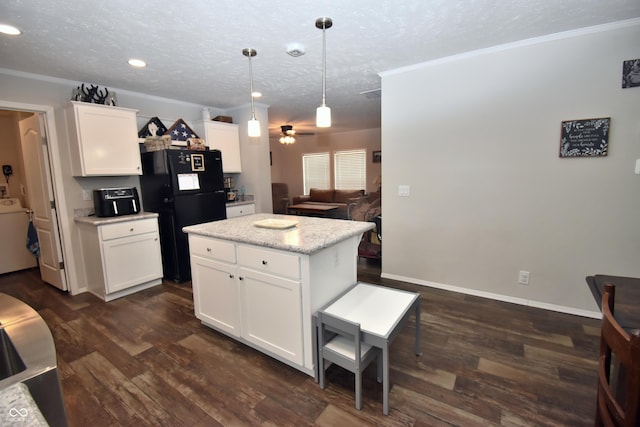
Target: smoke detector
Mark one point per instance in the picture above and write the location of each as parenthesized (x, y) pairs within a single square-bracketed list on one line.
[(295, 49)]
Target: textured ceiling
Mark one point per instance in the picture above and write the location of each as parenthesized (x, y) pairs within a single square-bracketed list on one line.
[(194, 47)]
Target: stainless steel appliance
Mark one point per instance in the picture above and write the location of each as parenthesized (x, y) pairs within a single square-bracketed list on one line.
[(116, 201), (185, 188)]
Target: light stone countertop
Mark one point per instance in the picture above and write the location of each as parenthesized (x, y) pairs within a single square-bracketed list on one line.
[(309, 236), (96, 220)]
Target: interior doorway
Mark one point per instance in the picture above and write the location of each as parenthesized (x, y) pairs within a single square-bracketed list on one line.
[(33, 184)]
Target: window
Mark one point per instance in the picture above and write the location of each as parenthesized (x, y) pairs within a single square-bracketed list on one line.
[(350, 169), (315, 170)]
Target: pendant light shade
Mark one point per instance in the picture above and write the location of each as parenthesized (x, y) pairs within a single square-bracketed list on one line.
[(323, 113), (253, 126)]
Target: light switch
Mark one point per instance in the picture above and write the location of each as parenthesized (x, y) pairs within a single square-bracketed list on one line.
[(638, 167), (403, 190)]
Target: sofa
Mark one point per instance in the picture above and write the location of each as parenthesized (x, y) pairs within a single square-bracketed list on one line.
[(339, 198)]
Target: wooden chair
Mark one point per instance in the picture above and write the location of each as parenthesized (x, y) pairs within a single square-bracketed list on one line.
[(618, 401), (280, 197), (343, 347)]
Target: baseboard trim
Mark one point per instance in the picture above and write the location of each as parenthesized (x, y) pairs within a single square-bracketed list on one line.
[(497, 297)]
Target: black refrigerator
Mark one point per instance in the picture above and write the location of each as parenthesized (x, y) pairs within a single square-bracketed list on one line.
[(185, 188)]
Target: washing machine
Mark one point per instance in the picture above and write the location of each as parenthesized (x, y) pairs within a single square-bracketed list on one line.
[(14, 223)]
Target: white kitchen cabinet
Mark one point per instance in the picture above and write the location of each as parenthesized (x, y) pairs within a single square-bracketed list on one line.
[(271, 305), (121, 257), (266, 297), (103, 140), (215, 284), (272, 314), (226, 138), (255, 298), (240, 210)]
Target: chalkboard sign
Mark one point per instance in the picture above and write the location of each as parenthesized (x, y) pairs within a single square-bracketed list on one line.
[(585, 138)]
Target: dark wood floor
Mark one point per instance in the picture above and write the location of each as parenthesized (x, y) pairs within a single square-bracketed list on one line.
[(146, 360)]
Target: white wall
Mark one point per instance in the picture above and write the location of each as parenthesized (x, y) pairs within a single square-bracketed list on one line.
[(477, 138)]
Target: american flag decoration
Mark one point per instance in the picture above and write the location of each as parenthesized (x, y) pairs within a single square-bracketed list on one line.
[(154, 127), (180, 131)]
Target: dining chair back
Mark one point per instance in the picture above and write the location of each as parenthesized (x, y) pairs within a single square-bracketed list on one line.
[(618, 397), (340, 343)]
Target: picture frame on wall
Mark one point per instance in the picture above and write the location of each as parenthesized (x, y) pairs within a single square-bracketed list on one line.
[(631, 73), (585, 137), (376, 156)]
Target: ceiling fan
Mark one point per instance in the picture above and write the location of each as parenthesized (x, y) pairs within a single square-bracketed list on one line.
[(288, 134)]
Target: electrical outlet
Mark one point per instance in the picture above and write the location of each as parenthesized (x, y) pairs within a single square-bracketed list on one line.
[(523, 278), (404, 190), (86, 195)]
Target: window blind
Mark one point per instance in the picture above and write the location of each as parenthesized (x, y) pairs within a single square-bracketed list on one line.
[(315, 170), (350, 169)]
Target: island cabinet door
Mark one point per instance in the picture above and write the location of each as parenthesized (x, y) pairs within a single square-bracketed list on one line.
[(215, 294), (272, 314)]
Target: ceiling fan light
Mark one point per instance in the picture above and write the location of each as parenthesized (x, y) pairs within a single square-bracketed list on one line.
[(323, 117), (253, 128), (287, 139)]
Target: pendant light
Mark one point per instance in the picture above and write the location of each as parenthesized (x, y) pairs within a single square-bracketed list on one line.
[(253, 127), (323, 113)]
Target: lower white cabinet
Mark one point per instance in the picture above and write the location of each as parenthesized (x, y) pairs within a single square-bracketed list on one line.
[(122, 257), (240, 210), (266, 297), (272, 314), (215, 294)]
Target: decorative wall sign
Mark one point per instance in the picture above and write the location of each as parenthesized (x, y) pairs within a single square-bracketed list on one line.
[(631, 73), (584, 138)]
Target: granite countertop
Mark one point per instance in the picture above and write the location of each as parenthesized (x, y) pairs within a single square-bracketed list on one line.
[(17, 407), (96, 220), (310, 235)]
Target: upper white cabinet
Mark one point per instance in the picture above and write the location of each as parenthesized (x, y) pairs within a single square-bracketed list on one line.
[(226, 138), (104, 140)]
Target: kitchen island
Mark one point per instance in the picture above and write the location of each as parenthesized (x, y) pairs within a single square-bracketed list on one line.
[(260, 278)]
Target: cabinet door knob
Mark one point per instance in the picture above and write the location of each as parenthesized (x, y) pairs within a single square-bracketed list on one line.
[(131, 229), (208, 249), (264, 262), (240, 278), (231, 276)]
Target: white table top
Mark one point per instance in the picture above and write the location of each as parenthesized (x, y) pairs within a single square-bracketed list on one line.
[(376, 308)]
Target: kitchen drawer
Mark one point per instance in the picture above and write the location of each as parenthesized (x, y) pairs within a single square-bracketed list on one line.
[(212, 248), (269, 261), (240, 210), (128, 228)]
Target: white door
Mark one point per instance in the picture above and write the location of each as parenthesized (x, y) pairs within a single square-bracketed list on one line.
[(40, 197)]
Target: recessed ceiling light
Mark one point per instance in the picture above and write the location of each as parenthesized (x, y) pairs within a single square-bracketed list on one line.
[(138, 63), (256, 94), (9, 30)]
